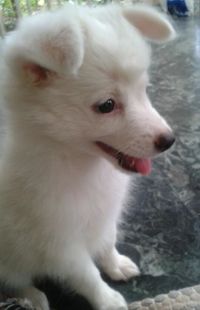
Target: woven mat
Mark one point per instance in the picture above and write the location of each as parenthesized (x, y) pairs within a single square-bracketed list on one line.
[(184, 299)]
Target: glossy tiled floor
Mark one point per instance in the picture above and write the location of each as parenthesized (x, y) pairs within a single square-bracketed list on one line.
[(162, 229), (164, 221)]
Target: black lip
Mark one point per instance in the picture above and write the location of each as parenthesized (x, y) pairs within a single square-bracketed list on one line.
[(119, 156)]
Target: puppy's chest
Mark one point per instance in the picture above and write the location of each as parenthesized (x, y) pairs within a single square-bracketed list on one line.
[(74, 207), (89, 201)]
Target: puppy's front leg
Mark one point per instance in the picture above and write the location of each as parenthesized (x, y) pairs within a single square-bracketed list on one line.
[(84, 277), (116, 266)]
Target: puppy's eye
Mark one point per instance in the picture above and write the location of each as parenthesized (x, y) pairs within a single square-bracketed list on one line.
[(106, 107)]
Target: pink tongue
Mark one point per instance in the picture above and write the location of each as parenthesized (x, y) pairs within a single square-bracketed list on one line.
[(143, 166)]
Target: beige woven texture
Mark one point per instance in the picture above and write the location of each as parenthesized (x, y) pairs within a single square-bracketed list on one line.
[(184, 299)]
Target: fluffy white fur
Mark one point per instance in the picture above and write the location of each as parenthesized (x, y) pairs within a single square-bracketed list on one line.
[(61, 197)]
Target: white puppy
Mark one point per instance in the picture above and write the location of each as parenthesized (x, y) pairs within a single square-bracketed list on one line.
[(78, 122)]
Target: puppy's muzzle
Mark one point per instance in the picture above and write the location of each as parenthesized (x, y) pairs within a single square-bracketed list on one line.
[(164, 142)]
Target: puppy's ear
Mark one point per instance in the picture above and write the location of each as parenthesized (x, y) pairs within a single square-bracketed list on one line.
[(151, 24), (44, 44)]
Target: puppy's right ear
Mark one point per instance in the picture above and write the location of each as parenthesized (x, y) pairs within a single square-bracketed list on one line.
[(151, 24), (45, 43)]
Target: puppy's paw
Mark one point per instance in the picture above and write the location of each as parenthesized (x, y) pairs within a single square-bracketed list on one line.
[(36, 297), (125, 269), (119, 267), (112, 300)]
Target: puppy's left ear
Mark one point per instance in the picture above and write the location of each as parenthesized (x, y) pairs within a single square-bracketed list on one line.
[(150, 23)]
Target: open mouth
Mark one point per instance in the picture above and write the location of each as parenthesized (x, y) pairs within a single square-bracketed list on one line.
[(128, 163)]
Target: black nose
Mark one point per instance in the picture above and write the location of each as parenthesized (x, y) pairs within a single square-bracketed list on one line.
[(164, 142)]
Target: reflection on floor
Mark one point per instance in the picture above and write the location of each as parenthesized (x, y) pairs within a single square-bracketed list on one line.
[(162, 229)]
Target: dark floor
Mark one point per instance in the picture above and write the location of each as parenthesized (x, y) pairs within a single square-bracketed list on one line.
[(163, 226), (162, 230)]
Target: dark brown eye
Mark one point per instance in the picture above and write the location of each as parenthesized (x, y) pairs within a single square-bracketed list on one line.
[(106, 107)]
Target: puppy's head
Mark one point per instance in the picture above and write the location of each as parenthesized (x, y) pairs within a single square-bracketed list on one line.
[(79, 76)]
